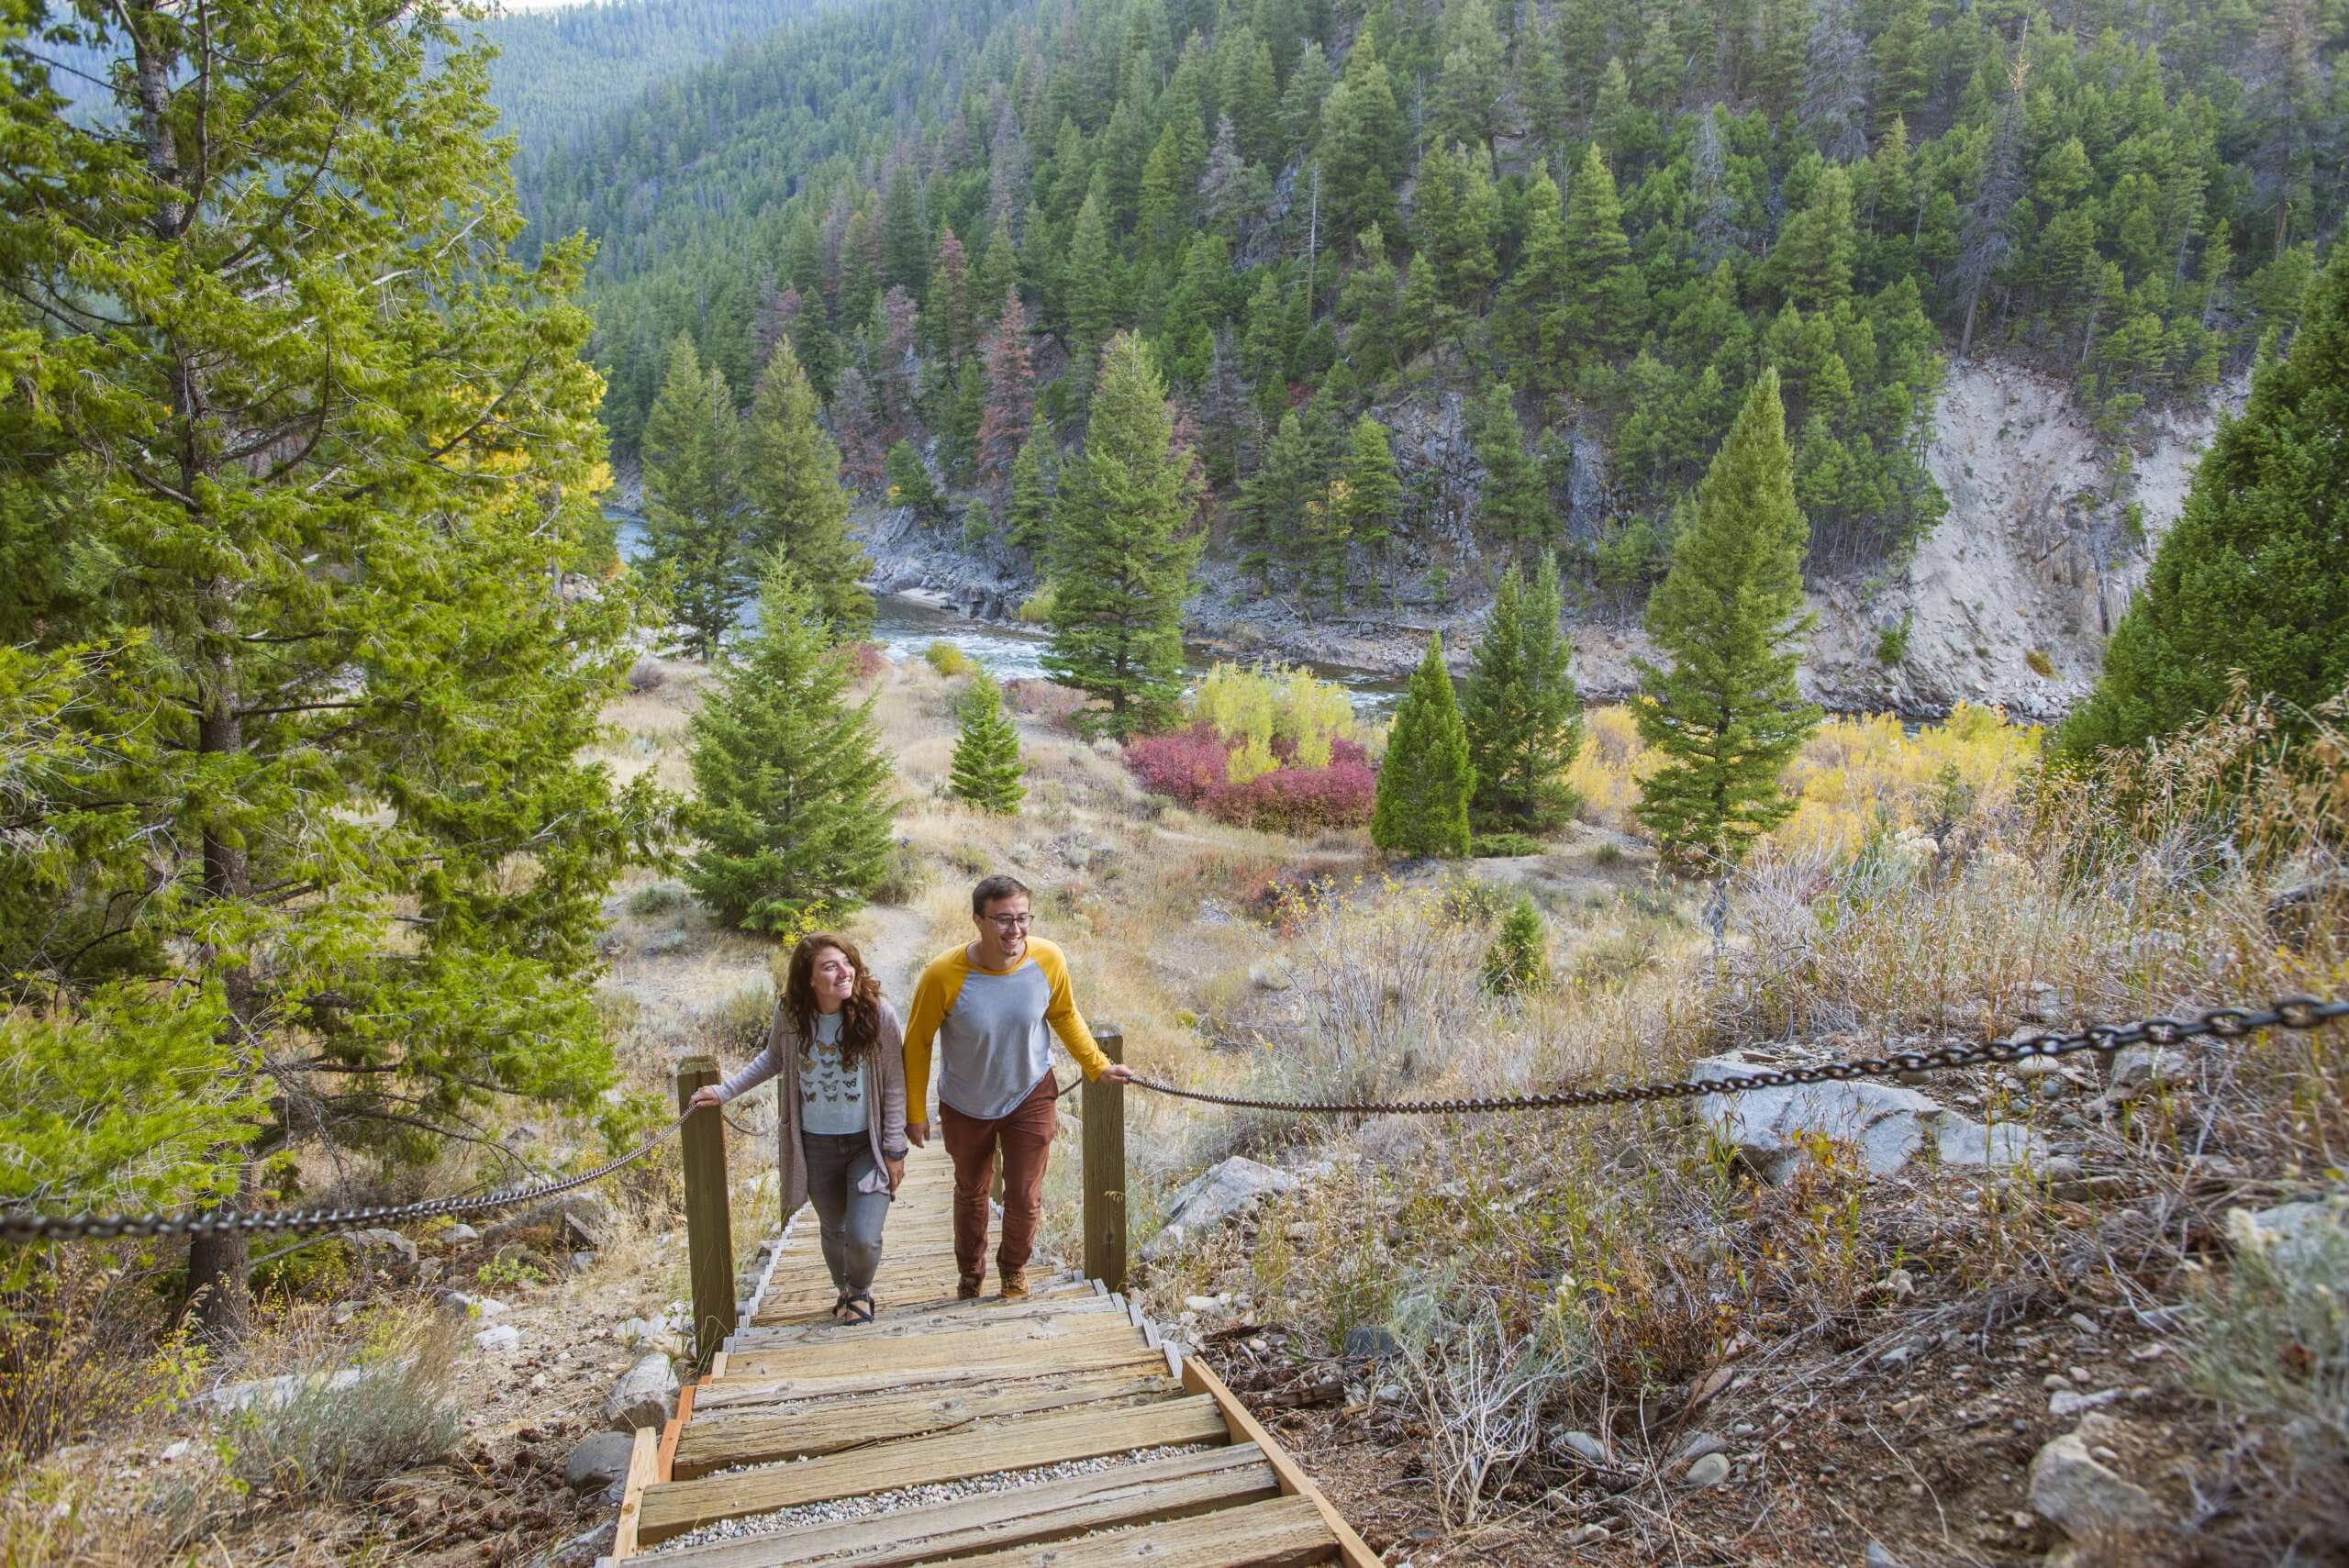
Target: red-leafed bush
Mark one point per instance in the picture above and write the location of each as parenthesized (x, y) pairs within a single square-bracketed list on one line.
[(1046, 700), (1192, 766), (1188, 764), (867, 660)]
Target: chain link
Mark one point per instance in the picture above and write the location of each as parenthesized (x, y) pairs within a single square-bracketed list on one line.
[(2229, 1023), (239, 1222)]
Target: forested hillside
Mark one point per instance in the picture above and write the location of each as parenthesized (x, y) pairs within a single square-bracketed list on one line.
[(1594, 222)]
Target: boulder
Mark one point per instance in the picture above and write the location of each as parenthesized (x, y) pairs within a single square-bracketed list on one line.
[(600, 1462), (500, 1339), (2295, 1237), (380, 1241), (1888, 1124), (1209, 1199), (646, 1395), (2138, 1068), (1710, 1471), (460, 1235), (1372, 1339), (2077, 1493)]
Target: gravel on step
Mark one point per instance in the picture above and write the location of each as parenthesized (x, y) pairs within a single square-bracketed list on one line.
[(841, 1510)]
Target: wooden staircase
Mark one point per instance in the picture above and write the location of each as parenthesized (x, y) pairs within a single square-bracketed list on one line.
[(989, 1433)]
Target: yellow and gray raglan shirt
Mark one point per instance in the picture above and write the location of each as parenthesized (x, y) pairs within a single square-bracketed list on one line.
[(990, 1028)]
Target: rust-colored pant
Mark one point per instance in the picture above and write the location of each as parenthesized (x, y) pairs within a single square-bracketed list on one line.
[(1025, 1137)]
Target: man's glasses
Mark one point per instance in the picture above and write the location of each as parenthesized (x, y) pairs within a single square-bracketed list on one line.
[(1009, 922)]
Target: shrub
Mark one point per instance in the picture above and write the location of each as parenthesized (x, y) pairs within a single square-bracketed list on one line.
[(1491, 846), (1300, 800), (1518, 960), (661, 898), (646, 675), (1182, 765), (2040, 664), (509, 1269), (948, 658), (315, 1270), (339, 1439), (1892, 643), (866, 659), (903, 879), (1048, 700)]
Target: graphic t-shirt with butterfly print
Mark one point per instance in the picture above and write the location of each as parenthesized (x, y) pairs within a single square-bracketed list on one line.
[(831, 1094)]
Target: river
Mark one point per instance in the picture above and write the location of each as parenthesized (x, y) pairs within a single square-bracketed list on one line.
[(904, 626)]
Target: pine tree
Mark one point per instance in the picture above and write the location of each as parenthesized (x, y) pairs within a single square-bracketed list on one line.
[(1517, 501), (1425, 783), (1518, 960), (791, 784), (693, 498), (304, 851), (1011, 393), (987, 770), (2250, 579), (1366, 498), (1611, 302), (908, 480), (1361, 144), (1028, 520), (1728, 715), (1122, 547), (1540, 291), (791, 472), (1523, 717)]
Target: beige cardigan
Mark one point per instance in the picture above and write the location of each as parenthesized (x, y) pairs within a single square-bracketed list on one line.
[(884, 1101)]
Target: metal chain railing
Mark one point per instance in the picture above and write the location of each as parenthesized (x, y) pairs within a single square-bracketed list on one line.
[(2292, 1013), (230, 1221)]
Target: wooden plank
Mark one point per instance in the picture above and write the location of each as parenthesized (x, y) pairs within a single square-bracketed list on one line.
[(675, 1507), (643, 1462), (1283, 1533), (1200, 1378), (667, 1467), (1105, 1168), (1037, 1338), (733, 1389), (989, 1310), (763, 1435), (1169, 1488), (709, 1229)]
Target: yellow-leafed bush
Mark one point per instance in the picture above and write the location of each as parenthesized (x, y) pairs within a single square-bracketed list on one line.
[(1860, 777), (1257, 708)]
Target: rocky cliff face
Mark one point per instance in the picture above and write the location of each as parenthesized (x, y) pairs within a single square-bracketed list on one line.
[(2008, 601)]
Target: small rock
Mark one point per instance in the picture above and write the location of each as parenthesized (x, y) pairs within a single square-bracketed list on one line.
[(1272, 974), (487, 1307), (1389, 1394), (2083, 1323), (2067, 1403), (1584, 1445), (601, 1460), (1216, 1195), (1584, 1535), (1201, 1304), (1710, 1471), (1699, 1444), (1877, 1557), (384, 1240), (459, 1235), (2141, 1067), (646, 1395), (505, 1337), (1372, 1339), (585, 1548), (2073, 1491), (175, 1451)]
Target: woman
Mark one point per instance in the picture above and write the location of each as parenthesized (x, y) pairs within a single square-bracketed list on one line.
[(841, 1053)]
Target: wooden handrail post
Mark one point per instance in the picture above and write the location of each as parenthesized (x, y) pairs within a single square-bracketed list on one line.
[(1105, 1168), (709, 1221)]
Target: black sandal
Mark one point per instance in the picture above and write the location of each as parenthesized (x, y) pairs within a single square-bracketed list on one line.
[(856, 1313)]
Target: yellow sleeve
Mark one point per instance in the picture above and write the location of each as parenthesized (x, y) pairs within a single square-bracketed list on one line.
[(1061, 1014), (941, 982)]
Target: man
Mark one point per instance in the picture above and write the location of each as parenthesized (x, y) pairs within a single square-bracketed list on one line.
[(987, 1005)]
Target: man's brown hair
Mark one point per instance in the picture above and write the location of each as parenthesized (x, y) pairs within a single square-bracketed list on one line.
[(993, 888)]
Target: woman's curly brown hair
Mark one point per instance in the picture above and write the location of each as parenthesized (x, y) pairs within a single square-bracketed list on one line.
[(860, 1015)]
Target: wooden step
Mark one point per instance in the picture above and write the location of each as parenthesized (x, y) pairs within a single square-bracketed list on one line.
[(732, 1390), (1051, 1510), (721, 1439), (897, 1325), (817, 1306), (1041, 1338), (673, 1508), (1287, 1532)]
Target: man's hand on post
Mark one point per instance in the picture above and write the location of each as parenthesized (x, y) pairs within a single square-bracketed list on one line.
[(1117, 1073)]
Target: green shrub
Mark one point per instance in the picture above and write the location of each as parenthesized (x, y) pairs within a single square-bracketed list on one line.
[(509, 1268), (1473, 903), (948, 658), (661, 898), (2040, 664), (1518, 962), (1608, 855), (1892, 643), (1493, 846), (318, 1270), (904, 877), (338, 1441)]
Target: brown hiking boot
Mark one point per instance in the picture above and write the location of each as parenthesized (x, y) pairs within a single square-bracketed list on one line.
[(966, 1288), (1015, 1283)]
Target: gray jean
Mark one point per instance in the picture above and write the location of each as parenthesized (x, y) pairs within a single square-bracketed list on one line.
[(850, 1219)]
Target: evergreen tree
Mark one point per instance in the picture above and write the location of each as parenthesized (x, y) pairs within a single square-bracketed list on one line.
[(907, 478), (1523, 718), (1518, 960), (1542, 291), (1610, 304), (1425, 783), (791, 784), (987, 770), (1030, 518), (1122, 547), (1011, 393), (1366, 498), (1728, 716), (791, 473), (1517, 501), (693, 498), (1361, 144), (2251, 578), (303, 858)]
